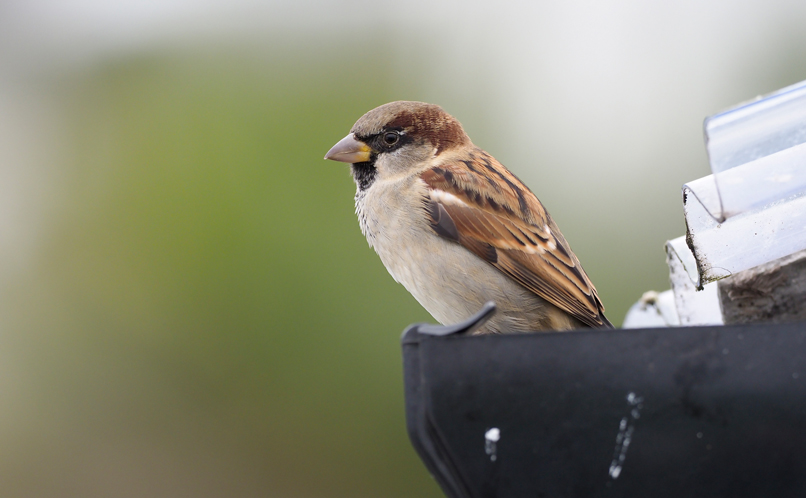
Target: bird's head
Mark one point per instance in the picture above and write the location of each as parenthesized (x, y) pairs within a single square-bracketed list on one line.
[(398, 138)]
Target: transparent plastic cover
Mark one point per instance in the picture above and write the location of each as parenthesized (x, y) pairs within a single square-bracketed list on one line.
[(757, 150)]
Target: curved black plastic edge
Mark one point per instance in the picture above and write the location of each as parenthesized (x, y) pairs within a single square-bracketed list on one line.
[(466, 327), (417, 424), (421, 432)]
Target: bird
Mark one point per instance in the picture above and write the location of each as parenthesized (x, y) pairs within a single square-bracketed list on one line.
[(457, 229)]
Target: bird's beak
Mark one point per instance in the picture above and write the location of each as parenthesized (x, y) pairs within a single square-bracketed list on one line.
[(349, 150)]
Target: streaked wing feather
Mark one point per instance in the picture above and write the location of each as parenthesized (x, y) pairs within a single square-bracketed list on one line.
[(505, 224)]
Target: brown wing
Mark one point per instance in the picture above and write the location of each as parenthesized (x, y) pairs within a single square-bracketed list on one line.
[(481, 205)]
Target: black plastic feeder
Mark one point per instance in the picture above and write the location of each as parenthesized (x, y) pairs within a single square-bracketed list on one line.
[(681, 412)]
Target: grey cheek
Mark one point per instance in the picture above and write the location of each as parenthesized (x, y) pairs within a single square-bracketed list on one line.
[(403, 159)]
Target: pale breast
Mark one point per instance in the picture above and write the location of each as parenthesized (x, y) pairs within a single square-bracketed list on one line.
[(445, 278)]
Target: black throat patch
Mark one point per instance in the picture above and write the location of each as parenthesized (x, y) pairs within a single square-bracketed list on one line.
[(364, 174)]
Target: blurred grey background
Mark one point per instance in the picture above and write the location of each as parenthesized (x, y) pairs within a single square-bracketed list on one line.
[(187, 306)]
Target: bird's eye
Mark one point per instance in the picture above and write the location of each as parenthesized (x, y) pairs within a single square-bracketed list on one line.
[(391, 138)]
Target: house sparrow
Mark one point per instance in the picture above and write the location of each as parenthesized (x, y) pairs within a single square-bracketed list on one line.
[(457, 229)]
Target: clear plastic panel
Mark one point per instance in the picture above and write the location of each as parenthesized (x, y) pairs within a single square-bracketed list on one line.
[(757, 150)]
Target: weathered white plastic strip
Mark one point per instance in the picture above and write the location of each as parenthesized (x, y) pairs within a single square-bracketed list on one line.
[(752, 210), (652, 310), (742, 241), (693, 307)]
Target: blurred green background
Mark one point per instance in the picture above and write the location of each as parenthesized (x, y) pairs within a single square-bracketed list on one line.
[(187, 306)]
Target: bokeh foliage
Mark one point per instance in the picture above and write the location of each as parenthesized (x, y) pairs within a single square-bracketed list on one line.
[(204, 317)]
